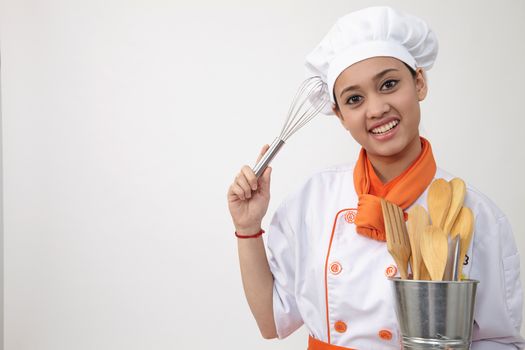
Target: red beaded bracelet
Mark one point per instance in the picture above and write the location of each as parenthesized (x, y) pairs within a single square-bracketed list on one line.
[(252, 236)]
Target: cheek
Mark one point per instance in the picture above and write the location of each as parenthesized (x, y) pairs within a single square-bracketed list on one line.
[(408, 105), (355, 125)]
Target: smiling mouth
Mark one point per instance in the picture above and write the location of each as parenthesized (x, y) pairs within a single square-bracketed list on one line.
[(383, 129)]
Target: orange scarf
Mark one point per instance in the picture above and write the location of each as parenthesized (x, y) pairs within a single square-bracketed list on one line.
[(402, 191)]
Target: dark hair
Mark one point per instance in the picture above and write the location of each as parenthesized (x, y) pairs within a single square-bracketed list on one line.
[(411, 70)]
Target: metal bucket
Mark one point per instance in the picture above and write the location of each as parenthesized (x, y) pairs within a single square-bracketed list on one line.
[(435, 314)]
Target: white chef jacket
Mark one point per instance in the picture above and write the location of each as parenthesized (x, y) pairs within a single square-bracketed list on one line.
[(335, 281)]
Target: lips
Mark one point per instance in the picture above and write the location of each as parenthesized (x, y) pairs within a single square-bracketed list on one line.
[(385, 126)]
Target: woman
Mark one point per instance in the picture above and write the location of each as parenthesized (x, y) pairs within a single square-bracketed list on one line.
[(327, 265)]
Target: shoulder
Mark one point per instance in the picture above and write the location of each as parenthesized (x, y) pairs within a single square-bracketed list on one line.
[(327, 181), (329, 187), (330, 176), (474, 198), (480, 203), (492, 229)]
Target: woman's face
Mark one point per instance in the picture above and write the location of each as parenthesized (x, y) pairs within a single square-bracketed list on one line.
[(378, 102)]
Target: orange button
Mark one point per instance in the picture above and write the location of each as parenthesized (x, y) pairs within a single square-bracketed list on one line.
[(340, 326), (350, 216), (385, 334), (335, 268), (391, 271)]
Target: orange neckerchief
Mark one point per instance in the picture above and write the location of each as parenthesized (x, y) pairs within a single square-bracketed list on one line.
[(402, 191)]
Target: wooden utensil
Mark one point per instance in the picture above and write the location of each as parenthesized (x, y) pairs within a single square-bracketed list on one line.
[(417, 221), (456, 203), (438, 201), (397, 241), (424, 275), (434, 248), (464, 227)]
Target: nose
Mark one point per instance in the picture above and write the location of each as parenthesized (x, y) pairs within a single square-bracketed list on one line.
[(376, 107)]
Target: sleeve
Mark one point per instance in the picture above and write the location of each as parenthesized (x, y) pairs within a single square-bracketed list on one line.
[(281, 258), (499, 298)]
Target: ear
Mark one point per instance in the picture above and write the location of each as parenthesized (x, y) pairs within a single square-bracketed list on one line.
[(421, 84), (337, 112)]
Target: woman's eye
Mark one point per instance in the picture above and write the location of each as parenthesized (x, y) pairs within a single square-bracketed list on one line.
[(389, 84), (352, 100)]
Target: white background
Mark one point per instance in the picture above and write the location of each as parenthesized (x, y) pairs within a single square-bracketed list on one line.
[(124, 123)]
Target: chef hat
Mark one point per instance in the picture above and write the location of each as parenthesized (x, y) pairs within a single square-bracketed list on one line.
[(372, 32)]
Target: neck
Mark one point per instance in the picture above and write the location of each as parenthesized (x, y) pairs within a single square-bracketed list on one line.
[(389, 167)]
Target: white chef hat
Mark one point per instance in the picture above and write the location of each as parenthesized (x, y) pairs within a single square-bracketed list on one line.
[(372, 32)]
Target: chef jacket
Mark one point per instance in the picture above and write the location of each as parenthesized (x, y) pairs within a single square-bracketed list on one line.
[(335, 281)]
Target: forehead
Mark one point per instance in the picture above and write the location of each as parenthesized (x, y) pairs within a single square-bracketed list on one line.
[(364, 71)]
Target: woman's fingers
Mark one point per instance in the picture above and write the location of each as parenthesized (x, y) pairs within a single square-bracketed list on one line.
[(264, 149), (237, 191), (249, 175), (242, 182), (246, 181), (265, 180)]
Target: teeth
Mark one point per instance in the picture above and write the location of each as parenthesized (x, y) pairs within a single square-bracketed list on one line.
[(384, 128)]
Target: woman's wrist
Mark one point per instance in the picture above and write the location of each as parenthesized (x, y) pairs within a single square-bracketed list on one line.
[(248, 231), (258, 234)]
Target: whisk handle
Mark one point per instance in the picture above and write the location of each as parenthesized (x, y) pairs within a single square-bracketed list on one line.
[(268, 156)]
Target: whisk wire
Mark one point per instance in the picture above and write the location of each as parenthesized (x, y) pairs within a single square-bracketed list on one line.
[(294, 107), (301, 113), (315, 106), (309, 100)]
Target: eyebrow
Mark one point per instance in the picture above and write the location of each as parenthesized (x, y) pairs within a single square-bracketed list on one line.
[(376, 77)]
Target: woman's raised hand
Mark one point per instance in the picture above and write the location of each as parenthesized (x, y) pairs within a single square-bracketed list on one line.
[(248, 198)]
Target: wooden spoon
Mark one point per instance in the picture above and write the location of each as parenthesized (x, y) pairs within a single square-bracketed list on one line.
[(458, 196), (438, 200), (464, 227), (434, 248), (417, 221)]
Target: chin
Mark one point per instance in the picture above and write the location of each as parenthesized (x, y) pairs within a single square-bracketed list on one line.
[(388, 149)]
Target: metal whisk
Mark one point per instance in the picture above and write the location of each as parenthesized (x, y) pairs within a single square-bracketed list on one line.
[(309, 100)]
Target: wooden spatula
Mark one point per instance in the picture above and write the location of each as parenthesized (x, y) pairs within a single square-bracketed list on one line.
[(464, 226), (434, 248), (423, 272), (438, 200), (397, 241), (417, 221), (458, 196)]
